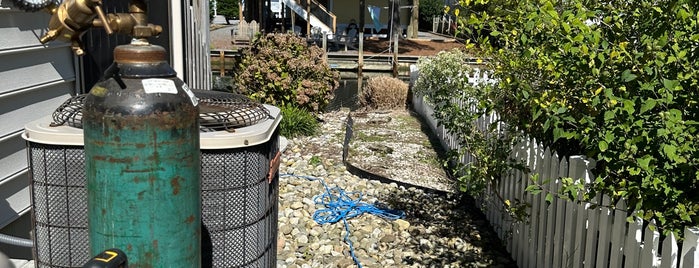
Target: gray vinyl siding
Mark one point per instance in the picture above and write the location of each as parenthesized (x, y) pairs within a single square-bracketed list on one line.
[(34, 80)]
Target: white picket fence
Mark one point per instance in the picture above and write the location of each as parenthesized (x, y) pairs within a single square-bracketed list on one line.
[(565, 233)]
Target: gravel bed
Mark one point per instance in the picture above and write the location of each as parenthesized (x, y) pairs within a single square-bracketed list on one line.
[(438, 229)]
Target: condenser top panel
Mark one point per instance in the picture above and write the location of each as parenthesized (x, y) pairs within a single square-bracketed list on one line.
[(44, 131)]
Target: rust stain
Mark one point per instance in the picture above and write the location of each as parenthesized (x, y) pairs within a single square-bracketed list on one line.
[(120, 160), (142, 170), (190, 219), (140, 145), (99, 158), (104, 212), (155, 244), (175, 182), (140, 195), (136, 180), (151, 180), (129, 247), (154, 157), (117, 138)]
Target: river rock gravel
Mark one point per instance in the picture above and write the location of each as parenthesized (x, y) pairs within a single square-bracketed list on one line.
[(439, 229)]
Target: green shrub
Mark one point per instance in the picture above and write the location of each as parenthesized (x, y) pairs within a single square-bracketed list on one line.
[(281, 69), (384, 92), (444, 79), (614, 80), (297, 122)]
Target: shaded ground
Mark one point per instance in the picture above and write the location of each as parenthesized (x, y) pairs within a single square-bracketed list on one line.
[(412, 47)]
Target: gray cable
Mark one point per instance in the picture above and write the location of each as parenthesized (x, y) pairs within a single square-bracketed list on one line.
[(16, 241)]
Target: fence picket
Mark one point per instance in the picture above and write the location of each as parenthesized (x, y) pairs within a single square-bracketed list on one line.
[(527, 198), (580, 219), (618, 231), (551, 215), (541, 207), (670, 252), (571, 215), (632, 249), (605, 233), (560, 218), (690, 254), (649, 253), (513, 186), (591, 241)]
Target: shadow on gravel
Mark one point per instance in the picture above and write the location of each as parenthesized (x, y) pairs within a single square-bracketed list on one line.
[(447, 229)]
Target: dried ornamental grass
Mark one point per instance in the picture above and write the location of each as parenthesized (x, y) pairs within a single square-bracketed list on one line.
[(384, 92)]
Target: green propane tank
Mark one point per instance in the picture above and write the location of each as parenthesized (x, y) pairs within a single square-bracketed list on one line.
[(143, 161)]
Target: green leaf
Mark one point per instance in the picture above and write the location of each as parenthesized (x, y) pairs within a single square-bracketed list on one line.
[(533, 189), (603, 146), (644, 162), (670, 84), (549, 198), (608, 115), (557, 133), (670, 151), (648, 105), (627, 76)]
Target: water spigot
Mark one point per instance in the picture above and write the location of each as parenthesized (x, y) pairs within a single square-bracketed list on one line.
[(73, 17)]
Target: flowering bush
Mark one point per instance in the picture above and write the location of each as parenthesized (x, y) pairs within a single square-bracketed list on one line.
[(281, 69)]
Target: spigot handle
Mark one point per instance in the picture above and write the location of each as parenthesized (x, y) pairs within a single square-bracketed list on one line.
[(98, 9)]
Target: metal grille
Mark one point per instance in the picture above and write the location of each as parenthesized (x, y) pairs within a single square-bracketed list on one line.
[(70, 112), (226, 111), (239, 206), (218, 111), (59, 199)]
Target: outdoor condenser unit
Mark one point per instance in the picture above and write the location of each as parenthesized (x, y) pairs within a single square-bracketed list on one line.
[(239, 141)]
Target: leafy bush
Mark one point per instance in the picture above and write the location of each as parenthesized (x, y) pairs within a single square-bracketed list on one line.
[(297, 122), (615, 81), (281, 69), (444, 82), (384, 92), (429, 9)]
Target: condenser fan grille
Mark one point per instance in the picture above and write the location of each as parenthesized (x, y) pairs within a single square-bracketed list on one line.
[(217, 111)]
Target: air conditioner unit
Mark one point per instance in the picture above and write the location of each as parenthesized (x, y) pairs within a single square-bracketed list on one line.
[(239, 204)]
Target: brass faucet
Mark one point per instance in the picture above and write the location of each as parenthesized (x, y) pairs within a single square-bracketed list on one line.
[(73, 17)]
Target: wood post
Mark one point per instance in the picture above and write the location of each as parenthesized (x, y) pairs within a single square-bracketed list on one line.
[(308, 18), (325, 48), (222, 60), (360, 63), (362, 11), (414, 19), (395, 55)]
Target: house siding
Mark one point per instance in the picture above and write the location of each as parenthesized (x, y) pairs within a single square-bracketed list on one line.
[(35, 79)]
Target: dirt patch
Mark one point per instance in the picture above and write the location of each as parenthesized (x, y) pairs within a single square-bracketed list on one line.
[(413, 47)]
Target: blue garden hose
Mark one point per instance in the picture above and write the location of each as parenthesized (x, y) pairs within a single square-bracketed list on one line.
[(339, 205)]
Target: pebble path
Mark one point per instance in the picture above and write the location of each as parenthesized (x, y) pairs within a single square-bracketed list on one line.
[(438, 230)]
